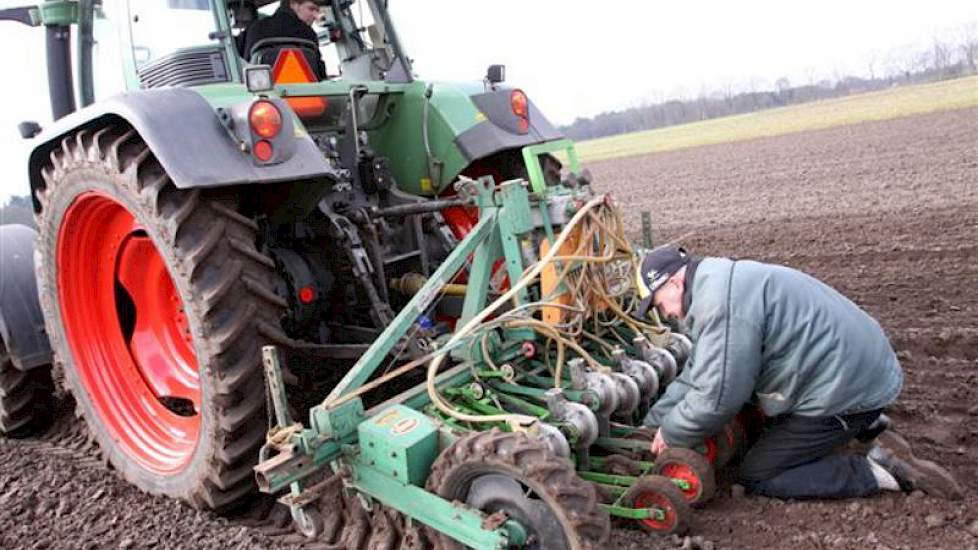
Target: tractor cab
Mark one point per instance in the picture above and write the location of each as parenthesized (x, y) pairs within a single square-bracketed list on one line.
[(370, 100)]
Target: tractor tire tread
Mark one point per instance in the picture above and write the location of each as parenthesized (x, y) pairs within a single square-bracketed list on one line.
[(531, 461), (26, 398), (198, 247)]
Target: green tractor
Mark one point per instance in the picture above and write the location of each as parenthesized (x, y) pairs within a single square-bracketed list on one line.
[(385, 300)]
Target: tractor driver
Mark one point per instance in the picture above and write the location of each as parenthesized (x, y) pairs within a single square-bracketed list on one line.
[(292, 19), (819, 367)]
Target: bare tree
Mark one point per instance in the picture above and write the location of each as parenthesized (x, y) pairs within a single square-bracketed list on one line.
[(17, 210), (811, 75), (968, 37), (940, 57), (728, 89), (783, 87), (872, 60)]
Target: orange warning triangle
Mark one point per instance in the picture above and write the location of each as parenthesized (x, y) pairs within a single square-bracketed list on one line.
[(291, 67)]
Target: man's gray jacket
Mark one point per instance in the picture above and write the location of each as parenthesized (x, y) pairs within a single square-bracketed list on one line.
[(779, 337)]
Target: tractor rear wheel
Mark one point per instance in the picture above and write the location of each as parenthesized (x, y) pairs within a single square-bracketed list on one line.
[(25, 398), (520, 477), (157, 302)]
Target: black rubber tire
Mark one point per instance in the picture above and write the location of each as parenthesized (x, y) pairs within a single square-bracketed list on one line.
[(529, 461), (668, 491), (697, 465), (225, 284), (26, 398)]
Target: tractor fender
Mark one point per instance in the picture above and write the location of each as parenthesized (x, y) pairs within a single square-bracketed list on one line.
[(21, 321), (185, 133), (498, 132)]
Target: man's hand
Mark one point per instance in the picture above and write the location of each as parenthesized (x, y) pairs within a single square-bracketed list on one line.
[(659, 444)]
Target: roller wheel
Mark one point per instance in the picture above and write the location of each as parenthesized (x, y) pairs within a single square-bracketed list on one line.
[(25, 398), (690, 467), (660, 493), (520, 477), (157, 303)]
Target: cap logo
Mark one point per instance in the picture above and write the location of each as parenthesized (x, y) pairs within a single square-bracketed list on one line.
[(656, 279)]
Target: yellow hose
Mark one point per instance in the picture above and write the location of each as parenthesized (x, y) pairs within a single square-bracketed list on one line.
[(515, 420)]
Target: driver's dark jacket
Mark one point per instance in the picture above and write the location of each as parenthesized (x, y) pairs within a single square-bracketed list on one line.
[(284, 23)]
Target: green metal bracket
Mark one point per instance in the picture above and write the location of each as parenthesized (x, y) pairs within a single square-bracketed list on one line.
[(531, 157), (600, 462), (515, 220), (340, 421), (634, 513), (608, 479), (463, 524), (374, 356), (646, 229), (55, 12)]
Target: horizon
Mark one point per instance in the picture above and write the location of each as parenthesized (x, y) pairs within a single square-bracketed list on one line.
[(581, 74)]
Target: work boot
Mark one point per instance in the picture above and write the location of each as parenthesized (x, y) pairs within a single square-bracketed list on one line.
[(911, 472)]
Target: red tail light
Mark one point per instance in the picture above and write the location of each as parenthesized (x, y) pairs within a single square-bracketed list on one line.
[(521, 105), (265, 119), (307, 294), (521, 108), (263, 150)]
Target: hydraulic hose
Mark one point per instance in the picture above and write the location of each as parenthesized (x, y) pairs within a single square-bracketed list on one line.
[(515, 420)]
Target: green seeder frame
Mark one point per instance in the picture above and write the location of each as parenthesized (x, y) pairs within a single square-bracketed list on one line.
[(365, 447)]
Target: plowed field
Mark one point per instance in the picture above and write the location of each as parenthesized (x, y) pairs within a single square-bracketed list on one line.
[(887, 212)]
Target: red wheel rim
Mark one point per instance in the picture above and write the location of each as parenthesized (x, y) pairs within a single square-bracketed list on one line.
[(128, 334), (650, 499), (683, 472), (710, 449)]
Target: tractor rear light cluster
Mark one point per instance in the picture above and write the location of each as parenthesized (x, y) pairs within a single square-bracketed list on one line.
[(265, 121), (521, 108)]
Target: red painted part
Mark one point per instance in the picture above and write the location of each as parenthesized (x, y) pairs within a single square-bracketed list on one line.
[(651, 499), (710, 449), (307, 294), (460, 221), (101, 245), (728, 432), (683, 472)]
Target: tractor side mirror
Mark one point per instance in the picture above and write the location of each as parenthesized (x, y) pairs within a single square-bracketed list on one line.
[(496, 74), (28, 129)]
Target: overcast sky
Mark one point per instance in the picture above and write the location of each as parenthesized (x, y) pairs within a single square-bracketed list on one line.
[(579, 58)]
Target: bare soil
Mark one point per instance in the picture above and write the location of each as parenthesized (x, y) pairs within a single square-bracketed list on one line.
[(887, 212)]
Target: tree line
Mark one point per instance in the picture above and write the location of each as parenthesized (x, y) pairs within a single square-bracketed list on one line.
[(937, 61), (17, 210)]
